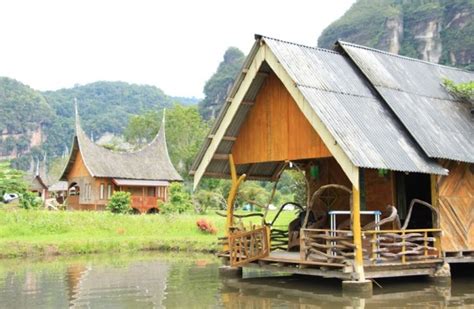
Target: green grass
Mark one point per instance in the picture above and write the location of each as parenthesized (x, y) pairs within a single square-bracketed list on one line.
[(38, 232)]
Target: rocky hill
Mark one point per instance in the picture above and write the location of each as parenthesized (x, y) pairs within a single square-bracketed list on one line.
[(440, 31), (24, 114), (216, 88)]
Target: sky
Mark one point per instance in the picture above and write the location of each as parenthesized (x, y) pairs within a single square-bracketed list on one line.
[(175, 45)]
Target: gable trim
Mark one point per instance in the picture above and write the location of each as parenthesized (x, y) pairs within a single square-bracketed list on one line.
[(264, 53), (234, 105)]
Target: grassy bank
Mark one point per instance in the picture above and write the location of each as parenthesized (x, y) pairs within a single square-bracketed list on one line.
[(38, 232)]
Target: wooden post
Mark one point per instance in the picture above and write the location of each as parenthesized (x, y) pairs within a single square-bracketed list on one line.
[(356, 230), (434, 202), (374, 247), (234, 189)]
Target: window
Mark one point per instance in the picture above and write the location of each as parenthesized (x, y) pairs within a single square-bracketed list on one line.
[(151, 191), (109, 191), (102, 191)]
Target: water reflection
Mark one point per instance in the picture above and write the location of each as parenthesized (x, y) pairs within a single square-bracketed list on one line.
[(180, 281)]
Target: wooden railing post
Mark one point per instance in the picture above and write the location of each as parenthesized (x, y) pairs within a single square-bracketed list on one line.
[(425, 243), (374, 246), (234, 189), (357, 234), (403, 248)]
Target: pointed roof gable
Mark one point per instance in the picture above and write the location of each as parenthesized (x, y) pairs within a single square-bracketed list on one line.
[(152, 162), (413, 89), (354, 123)]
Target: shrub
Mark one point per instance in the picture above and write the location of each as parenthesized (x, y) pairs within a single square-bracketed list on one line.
[(179, 201), (206, 226), (120, 202), (29, 200)]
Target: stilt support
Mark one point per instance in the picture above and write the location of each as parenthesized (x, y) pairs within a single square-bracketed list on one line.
[(442, 275), (361, 288), (230, 272)]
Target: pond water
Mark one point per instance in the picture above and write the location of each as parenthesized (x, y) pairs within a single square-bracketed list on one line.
[(181, 281)]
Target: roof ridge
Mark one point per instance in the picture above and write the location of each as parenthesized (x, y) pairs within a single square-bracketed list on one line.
[(333, 91), (400, 56), (257, 36)]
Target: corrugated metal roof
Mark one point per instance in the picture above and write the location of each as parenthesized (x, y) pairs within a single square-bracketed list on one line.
[(359, 120), (413, 89), (362, 124)]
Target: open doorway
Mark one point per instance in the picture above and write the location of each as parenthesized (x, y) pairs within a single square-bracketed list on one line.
[(414, 186)]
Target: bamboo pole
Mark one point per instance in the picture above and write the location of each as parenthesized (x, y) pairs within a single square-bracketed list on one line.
[(234, 189), (356, 229)]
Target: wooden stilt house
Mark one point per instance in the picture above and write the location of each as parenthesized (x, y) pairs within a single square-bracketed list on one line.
[(93, 173), (386, 151)]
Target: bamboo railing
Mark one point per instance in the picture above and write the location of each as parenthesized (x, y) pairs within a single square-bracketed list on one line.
[(325, 245), (248, 246), (403, 245), (379, 246)]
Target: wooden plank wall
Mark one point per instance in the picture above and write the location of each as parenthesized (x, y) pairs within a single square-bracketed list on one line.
[(81, 176), (79, 168), (378, 190), (276, 130), (329, 173), (456, 205)]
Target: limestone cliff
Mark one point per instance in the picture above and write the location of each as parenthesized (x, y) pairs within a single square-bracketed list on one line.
[(440, 31)]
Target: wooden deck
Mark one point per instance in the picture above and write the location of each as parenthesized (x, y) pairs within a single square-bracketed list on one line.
[(290, 262)]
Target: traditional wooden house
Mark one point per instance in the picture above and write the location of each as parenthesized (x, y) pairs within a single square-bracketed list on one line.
[(40, 182), (93, 173), (37, 180), (386, 150)]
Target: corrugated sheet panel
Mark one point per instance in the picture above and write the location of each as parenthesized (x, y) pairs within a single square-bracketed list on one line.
[(363, 124), (368, 132), (359, 120), (320, 68), (413, 89)]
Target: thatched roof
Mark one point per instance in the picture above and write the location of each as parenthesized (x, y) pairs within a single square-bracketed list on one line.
[(152, 162), (36, 177)]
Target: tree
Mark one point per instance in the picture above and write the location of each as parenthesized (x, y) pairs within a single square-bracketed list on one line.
[(120, 202), (205, 200), (185, 131), (179, 200), (141, 129), (11, 180), (254, 194)]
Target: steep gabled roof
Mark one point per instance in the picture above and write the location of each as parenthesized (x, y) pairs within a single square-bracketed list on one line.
[(413, 89), (152, 162), (354, 122), (36, 176)]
